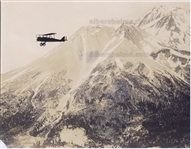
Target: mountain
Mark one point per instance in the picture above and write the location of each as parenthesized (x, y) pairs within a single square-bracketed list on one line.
[(140, 38), (104, 87), (170, 24), (128, 102), (38, 87), (176, 60)]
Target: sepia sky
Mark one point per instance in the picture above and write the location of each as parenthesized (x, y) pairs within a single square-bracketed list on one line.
[(21, 21)]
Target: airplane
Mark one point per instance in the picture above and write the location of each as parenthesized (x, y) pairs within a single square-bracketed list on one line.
[(50, 37)]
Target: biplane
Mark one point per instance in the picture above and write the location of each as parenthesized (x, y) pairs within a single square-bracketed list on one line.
[(50, 37)]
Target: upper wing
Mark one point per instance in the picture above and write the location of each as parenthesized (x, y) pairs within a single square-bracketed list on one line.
[(49, 34), (46, 34)]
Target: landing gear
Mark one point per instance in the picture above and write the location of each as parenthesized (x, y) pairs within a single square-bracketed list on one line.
[(42, 43)]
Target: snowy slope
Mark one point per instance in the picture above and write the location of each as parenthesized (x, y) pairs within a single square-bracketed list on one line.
[(169, 24), (126, 100), (38, 88)]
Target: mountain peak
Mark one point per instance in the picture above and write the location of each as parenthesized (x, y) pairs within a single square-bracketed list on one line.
[(158, 12), (160, 7), (173, 22), (93, 30)]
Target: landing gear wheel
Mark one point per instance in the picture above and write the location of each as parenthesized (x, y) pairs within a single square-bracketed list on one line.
[(42, 44)]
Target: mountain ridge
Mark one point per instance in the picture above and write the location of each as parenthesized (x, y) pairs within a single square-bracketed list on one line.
[(171, 22)]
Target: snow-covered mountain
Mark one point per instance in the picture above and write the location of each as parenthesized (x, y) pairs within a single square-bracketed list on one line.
[(178, 61), (38, 87), (101, 88), (140, 38), (171, 25)]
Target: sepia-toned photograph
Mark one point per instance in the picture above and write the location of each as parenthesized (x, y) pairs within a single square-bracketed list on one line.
[(95, 74)]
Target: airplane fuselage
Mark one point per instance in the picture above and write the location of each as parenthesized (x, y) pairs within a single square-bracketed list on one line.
[(44, 39)]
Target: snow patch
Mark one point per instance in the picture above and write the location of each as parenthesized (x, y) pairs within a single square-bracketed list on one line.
[(38, 87), (119, 63), (172, 28), (179, 54), (96, 31), (84, 52), (76, 136), (16, 76), (148, 49), (95, 73)]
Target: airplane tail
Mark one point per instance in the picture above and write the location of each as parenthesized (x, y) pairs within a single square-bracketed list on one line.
[(64, 38)]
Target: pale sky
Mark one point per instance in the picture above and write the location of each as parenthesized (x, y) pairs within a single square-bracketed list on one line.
[(21, 21)]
